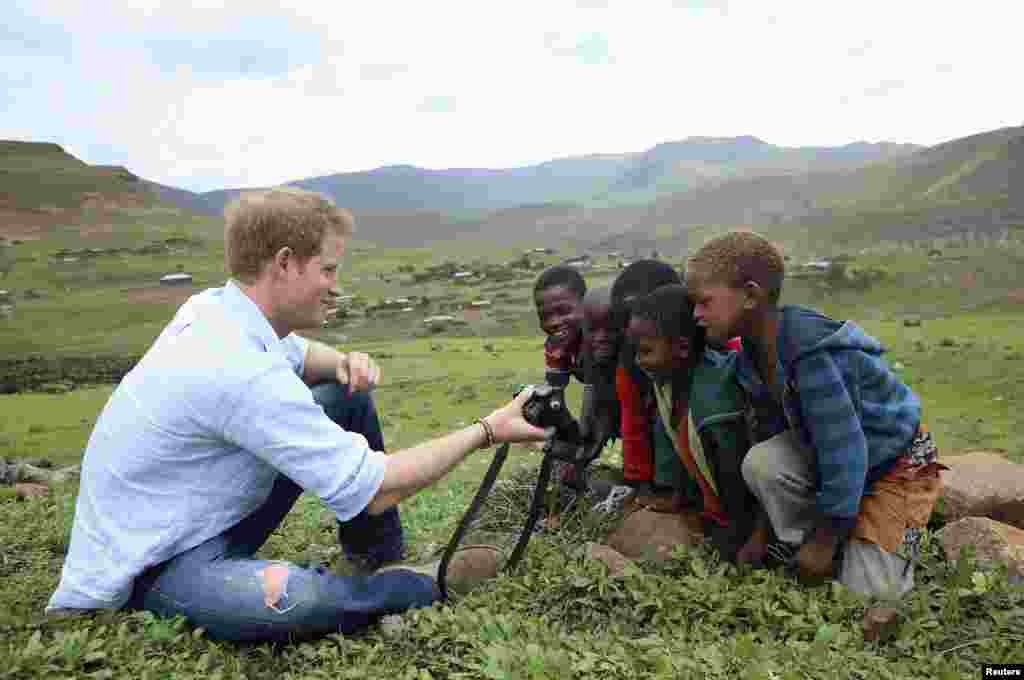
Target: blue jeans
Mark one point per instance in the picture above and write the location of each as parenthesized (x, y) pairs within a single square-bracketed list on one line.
[(220, 586)]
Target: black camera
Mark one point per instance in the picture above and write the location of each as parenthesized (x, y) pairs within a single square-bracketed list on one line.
[(546, 408)]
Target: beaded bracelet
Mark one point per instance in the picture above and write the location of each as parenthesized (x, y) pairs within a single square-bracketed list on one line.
[(488, 431)]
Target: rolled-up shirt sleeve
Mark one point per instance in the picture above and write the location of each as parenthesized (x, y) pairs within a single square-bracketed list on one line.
[(276, 419), (295, 347)]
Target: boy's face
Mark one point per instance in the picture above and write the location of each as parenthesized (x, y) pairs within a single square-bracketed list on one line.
[(720, 309), (560, 312), (602, 337), (657, 354)]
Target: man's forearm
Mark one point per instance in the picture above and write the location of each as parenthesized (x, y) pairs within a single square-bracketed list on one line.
[(320, 364), (410, 470)]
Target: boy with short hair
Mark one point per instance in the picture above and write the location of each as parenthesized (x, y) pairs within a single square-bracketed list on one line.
[(700, 406), (641, 434), (843, 461), (558, 296)]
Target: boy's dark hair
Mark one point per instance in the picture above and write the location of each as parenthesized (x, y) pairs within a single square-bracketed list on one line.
[(636, 280), (670, 310), (738, 257), (561, 275), (642, 277)]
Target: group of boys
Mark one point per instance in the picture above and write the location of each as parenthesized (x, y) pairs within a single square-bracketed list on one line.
[(783, 429)]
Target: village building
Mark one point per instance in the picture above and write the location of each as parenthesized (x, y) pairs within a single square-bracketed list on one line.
[(176, 279)]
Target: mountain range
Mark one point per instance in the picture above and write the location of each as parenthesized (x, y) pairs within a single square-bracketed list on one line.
[(597, 180), (661, 197)]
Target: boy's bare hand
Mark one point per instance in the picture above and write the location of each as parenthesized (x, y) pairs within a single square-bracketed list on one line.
[(814, 559)]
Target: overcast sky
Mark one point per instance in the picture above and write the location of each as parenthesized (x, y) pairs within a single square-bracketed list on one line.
[(257, 92)]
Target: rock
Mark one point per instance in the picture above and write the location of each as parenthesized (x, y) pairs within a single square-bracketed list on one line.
[(30, 489), (880, 623), (652, 535), (44, 463), (912, 322), (983, 484), (617, 564), (994, 543)]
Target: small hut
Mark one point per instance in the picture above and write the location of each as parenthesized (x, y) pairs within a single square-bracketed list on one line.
[(176, 279)]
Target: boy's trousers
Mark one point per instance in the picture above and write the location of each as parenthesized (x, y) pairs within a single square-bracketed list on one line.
[(780, 472)]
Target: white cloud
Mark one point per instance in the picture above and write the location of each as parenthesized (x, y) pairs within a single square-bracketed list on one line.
[(456, 84)]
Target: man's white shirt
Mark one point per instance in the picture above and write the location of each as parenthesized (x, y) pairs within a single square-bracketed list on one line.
[(191, 442)]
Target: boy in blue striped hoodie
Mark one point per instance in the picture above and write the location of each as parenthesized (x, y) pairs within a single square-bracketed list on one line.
[(843, 468)]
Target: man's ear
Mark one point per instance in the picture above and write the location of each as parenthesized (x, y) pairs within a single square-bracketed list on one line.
[(283, 259)]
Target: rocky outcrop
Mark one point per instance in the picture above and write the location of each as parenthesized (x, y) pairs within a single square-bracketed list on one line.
[(652, 535), (983, 484), (616, 562), (994, 543)]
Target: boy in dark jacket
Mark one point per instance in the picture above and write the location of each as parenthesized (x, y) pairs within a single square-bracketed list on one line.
[(843, 461), (700, 406)]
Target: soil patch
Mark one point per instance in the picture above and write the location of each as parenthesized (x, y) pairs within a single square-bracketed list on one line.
[(1016, 296), (96, 230), (160, 294)]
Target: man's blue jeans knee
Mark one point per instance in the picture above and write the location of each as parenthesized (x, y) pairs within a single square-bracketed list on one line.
[(219, 586)]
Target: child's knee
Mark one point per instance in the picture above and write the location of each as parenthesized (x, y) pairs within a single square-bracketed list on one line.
[(757, 468)]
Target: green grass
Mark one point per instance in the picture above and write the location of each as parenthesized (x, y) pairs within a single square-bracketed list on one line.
[(559, 616)]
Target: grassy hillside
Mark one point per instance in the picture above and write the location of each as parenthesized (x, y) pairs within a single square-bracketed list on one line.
[(560, 615), (47, 194), (965, 186)]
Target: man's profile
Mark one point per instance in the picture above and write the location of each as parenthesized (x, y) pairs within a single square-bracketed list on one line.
[(205, 445)]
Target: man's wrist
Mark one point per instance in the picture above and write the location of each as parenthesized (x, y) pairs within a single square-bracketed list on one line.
[(488, 433)]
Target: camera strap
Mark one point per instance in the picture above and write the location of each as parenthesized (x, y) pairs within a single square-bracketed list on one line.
[(553, 450)]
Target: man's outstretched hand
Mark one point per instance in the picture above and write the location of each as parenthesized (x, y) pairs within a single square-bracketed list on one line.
[(510, 426), (358, 371)]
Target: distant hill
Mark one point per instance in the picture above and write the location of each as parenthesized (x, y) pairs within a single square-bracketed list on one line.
[(45, 191), (973, 184), (970, 185), (670, 196), (598, 180)]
